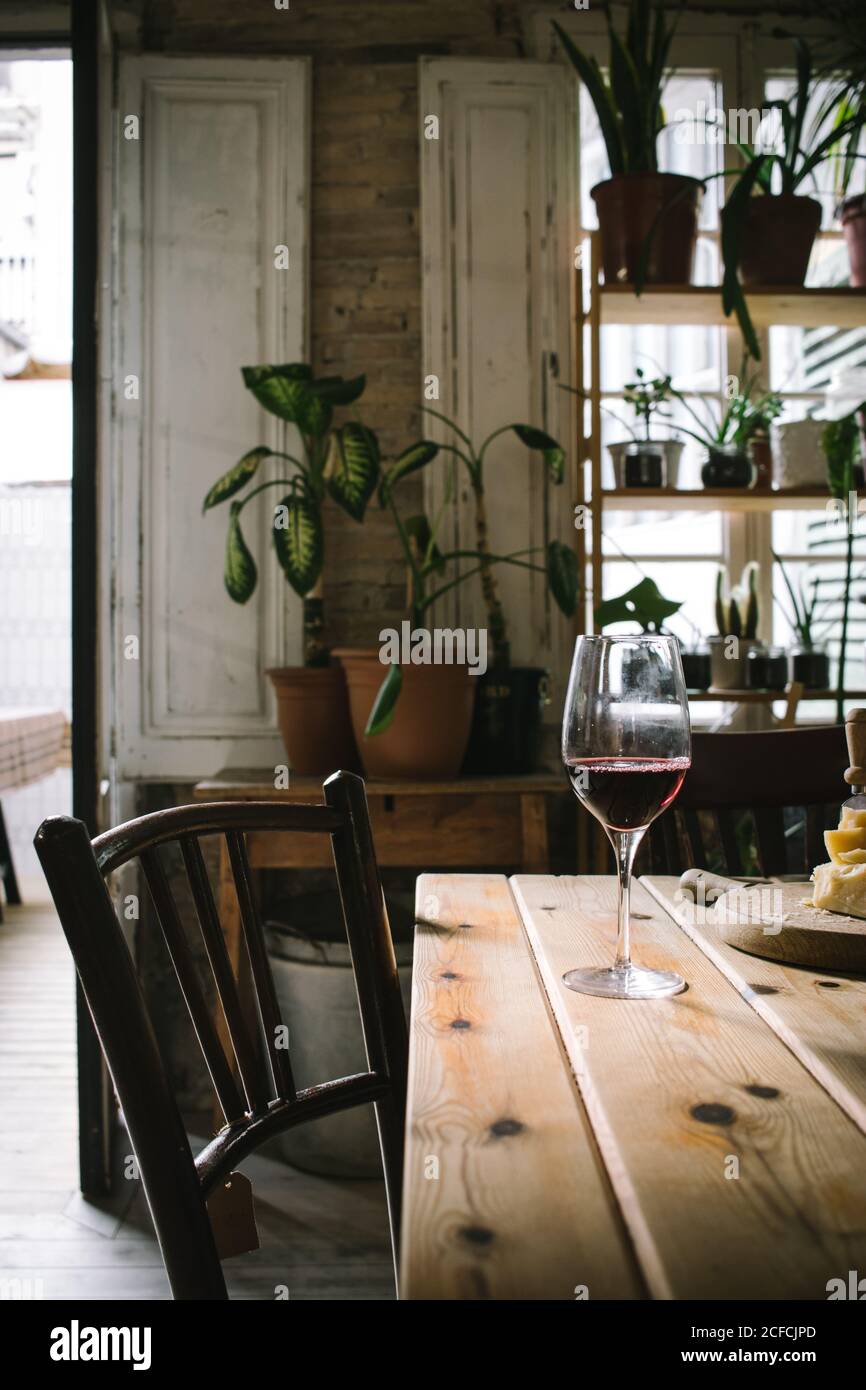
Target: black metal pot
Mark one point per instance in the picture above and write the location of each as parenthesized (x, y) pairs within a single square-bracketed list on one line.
[(506, 727), (766, 669), (810, 665), (697, 670), (727, 467)]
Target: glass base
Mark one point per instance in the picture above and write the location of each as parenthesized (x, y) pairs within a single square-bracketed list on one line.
[(625, 982)]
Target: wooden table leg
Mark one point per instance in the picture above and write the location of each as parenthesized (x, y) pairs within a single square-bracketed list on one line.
[(533, 820)]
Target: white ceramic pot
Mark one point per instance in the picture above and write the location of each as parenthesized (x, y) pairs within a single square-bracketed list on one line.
[(729, 672), (671, 450), (798, 459)]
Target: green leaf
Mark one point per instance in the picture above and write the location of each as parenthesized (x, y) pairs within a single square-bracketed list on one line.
[(282, 389), (644, 604), (599, 93), (563, 577), (353, 468), (299, 539), (416, 456), (419, 530), (240, 568), (236, 478), (336, 390), (385, 703), (552, 453)]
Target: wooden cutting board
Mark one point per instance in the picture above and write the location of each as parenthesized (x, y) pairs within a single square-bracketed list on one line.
[(773, 921)]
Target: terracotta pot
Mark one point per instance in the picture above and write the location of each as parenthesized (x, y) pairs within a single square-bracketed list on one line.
[(430, 729), (778, 236), (628, 205), (853, 217), (313, 715)]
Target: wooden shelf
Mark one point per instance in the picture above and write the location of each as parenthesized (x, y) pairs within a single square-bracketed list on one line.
[(716, 499), (701, 305), (764, 697)]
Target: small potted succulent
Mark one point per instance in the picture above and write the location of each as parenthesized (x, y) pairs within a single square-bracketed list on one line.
[(647, 220), (808, 661), (737, 615), (341, 462), (644, 459)]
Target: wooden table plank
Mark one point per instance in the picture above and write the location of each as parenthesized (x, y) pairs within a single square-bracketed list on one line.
[(504, 1196), (738, 1175), (818, 1014)]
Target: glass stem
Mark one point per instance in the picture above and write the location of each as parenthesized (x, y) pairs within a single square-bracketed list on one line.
[(625, 843)]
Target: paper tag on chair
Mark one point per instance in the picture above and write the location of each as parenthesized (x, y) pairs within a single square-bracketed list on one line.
[(233, 1217)]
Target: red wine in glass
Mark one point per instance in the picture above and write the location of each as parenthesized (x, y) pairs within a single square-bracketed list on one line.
[(626, 793), (626, 745)]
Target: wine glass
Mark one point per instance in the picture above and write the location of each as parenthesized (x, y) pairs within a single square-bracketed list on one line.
[(626, 745)]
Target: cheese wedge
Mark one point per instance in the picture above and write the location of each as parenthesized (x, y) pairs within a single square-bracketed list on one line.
[(840, 888), (852, 820), (838, 841)]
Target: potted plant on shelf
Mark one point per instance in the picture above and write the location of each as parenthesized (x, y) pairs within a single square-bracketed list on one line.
[(415, 722), (768, 226), (343, 463), (737, 616), (647, 220), (642, 460), (728, 462), (840, 64), (808, 661)]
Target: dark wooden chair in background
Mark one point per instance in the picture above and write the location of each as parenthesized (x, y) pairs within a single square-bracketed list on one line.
[(760, 773), (264, 1101)]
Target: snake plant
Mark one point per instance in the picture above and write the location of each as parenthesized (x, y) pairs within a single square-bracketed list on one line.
[(338, 461), (628, 102), (737, 611)]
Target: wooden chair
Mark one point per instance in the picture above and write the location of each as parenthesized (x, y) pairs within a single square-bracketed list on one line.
[(266, 1102), (762, 773)]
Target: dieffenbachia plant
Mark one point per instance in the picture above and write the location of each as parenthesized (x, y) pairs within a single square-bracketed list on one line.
[(553, 457), (341, 462), (426, 563)]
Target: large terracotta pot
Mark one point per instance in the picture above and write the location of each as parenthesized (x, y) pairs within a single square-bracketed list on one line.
[(778, 235), (628, 206), (853, 218), (430, 730), (313, 715)]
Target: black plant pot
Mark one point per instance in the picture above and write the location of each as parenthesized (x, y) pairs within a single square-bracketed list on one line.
[(727, 468), (766, 669), (811, 666), (644, 466), (697, 670), (506, 727)]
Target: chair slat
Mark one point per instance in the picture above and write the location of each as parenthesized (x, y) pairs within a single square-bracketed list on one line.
[(815, 851), (181, 958), (266, 997), (227, 989), (770, 825), (726, 819), (696, 844)]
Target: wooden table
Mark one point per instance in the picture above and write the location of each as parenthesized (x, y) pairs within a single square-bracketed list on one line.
[(469, 822), (707, 1146)]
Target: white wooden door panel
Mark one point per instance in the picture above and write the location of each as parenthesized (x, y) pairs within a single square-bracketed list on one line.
[(216, 181), (497, 211)]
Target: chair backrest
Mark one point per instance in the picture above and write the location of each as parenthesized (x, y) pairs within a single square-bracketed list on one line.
[(762, 774), (263, 1100)]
